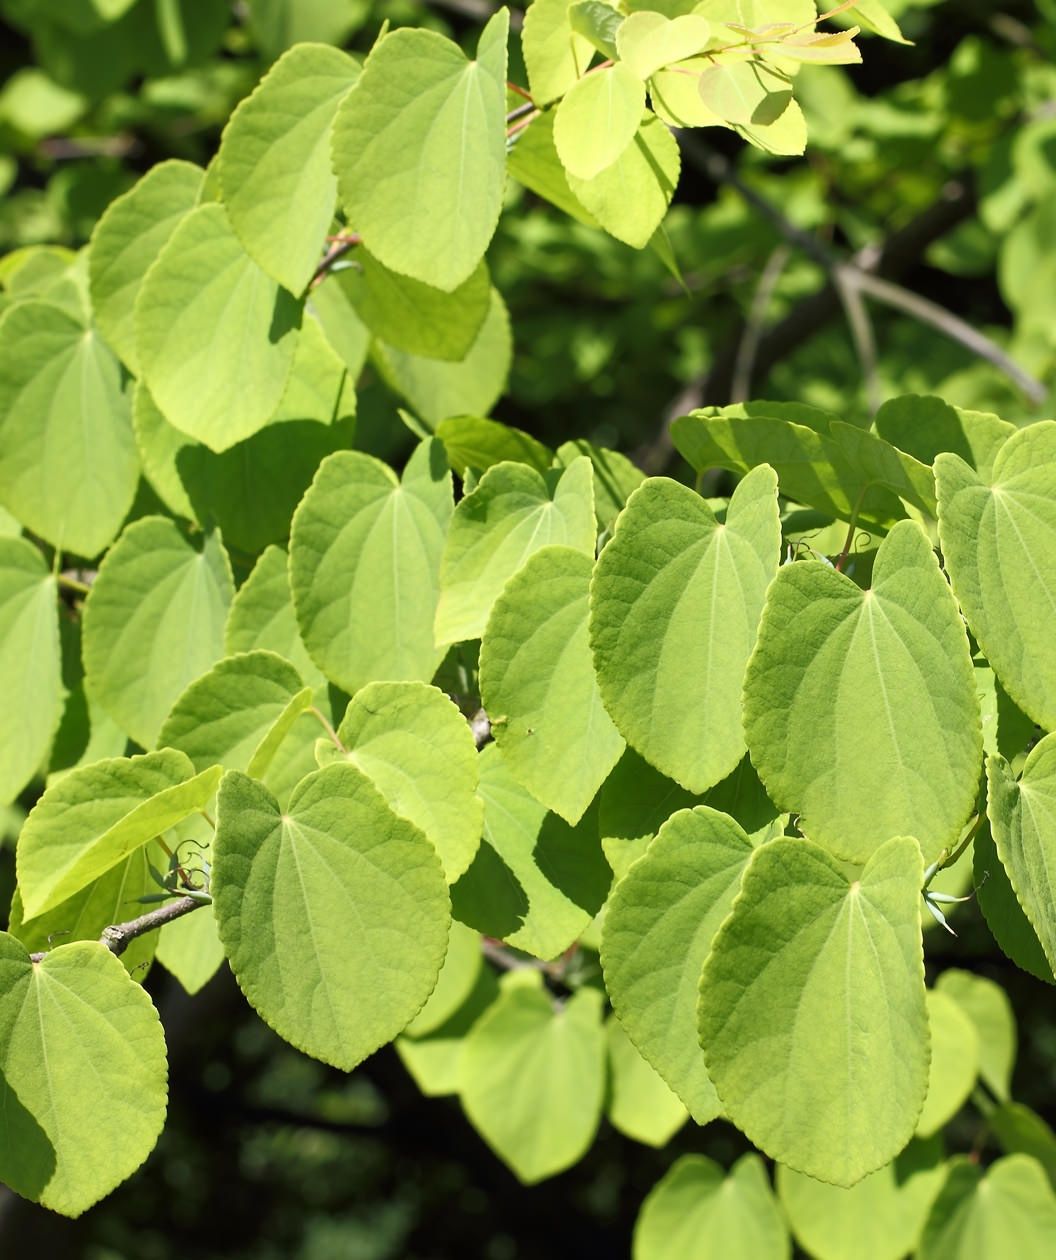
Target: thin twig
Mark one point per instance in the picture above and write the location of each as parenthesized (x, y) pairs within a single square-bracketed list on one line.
[(321, 718), (740, 390), (342, 245), (72, 584), (119, 936)]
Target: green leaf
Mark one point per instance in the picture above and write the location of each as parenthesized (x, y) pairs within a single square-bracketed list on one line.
[(629, 198), (1010, 1209), (954, 1062), (533, 1078), (433, 1059), (659, 926), (812, 1010), (113, 897), (471, 442), (217, 388), (512, 512), (73, 1018), (131, 233), (649, 41), (533, 162), (599, 22), (837, 468), (1020, 1130), (785, 136), (415, 317), (675, 95), (925, 426), (364, 566), (238, 713), (153, 622), (639, 1104), (860, 706), (537, 683), (189, 948), (417, 749), (424, 129), (555, 56), (634, 803), (615, 477), (334, 913), (997, 539), (535, 882), (436, 388), (249, 491), (262, 616), (93, 818), (1023, 824), (1004, 915), (597, 119), (68, 466), (880, 1218), (697, 1212), (278, 188), (987, 1006), (675, 606), (454, 985), (745, 92), (874, 17), (30, 663)]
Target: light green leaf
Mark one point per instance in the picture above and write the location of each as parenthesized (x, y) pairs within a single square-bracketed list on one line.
[(634, 803), (1020, 1130), (649, 41), (697, 1212), (189, 948), (215, 335), (433, 1059), (675, 606), (745, 92), (998, 541), (874, 17), (424, 129), (329, 304), (659, 926), (131, 233), (512, 512), (94, 817), (629, 198), (954, 1062), (599, 22), (417, 749), (533, 162), (880, 1218), (675, 95), (925, 426), (786, 136), (365, 563), (812, 1010), (1023, 824), (111, 898), (533, 1078), (471, 442), (615, 477), (1010, 1209), (334, 913), (73, 1018), (437, 389), (238, 713), (278, 188), (860, 706), (535, 882), (262, 616), (30, 663), (555, 56), (249, 491), (415, 317), (537, 683), (837, 468), (1004, 915), (68, 466), (457, 980), (153, 622), (597, 119), (639, 1104), (987, 1006)]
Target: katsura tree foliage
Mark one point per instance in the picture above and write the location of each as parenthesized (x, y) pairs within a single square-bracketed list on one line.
[(594, 795)]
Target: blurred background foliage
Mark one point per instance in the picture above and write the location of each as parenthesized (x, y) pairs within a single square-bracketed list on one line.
[(932, 166)]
